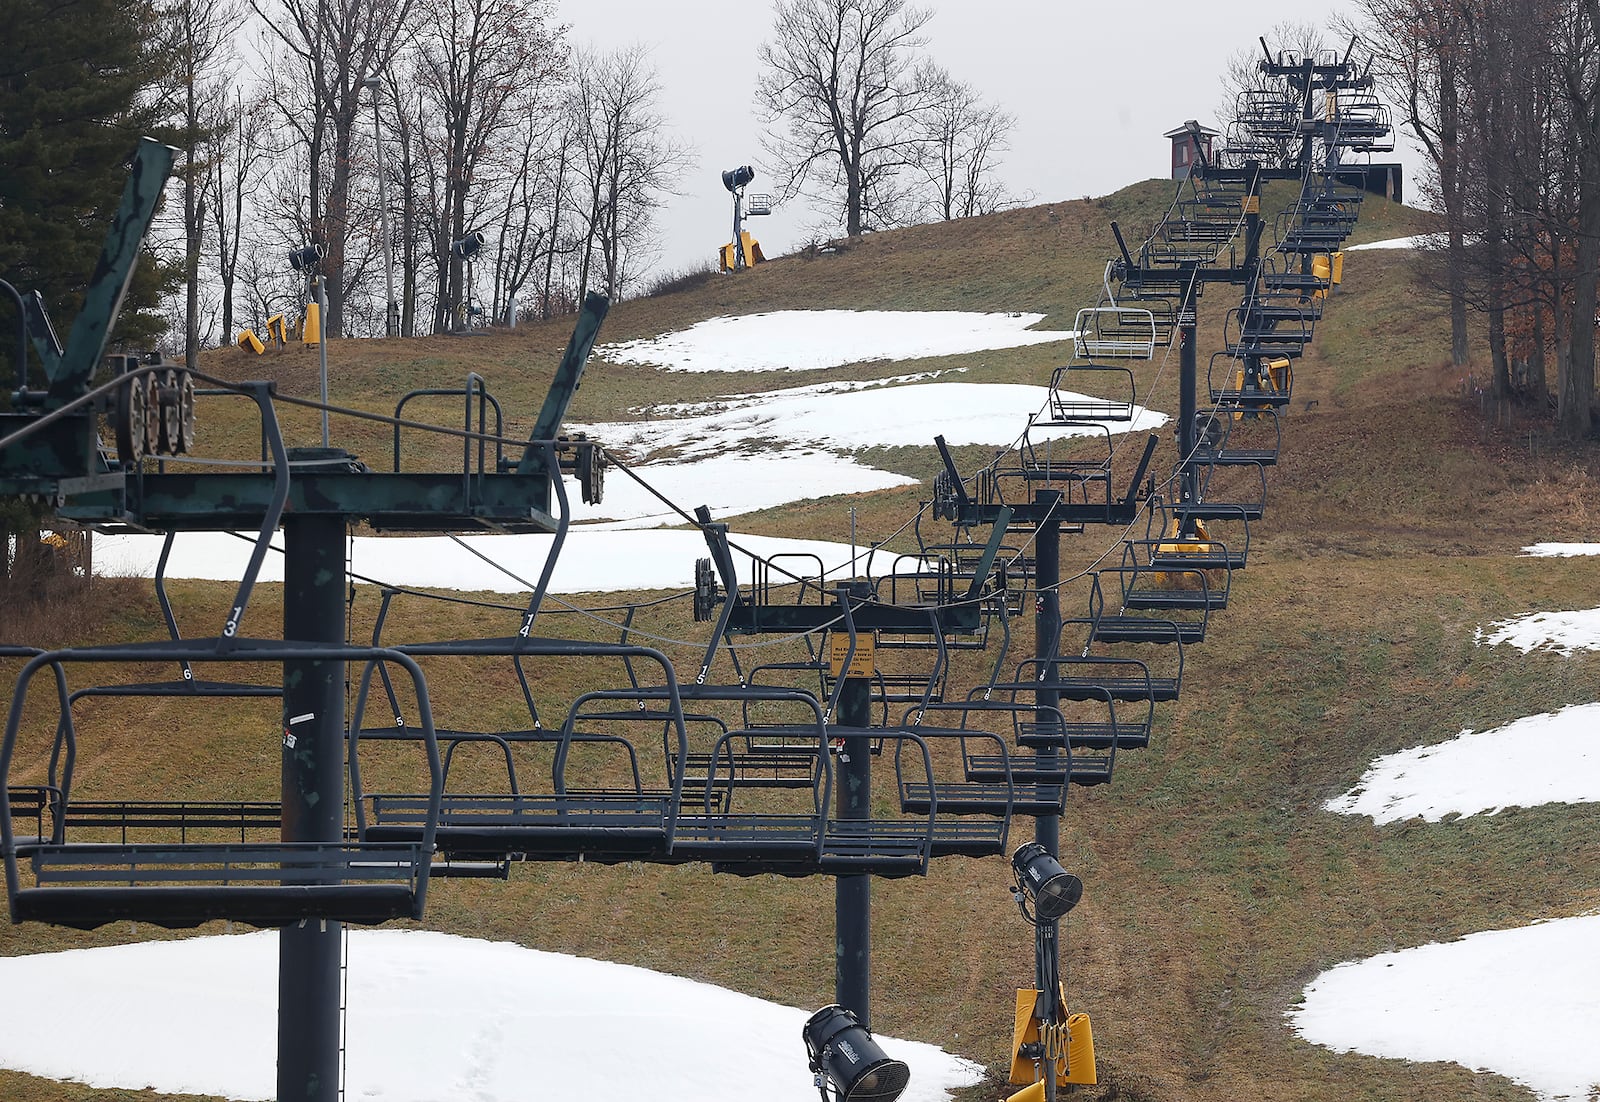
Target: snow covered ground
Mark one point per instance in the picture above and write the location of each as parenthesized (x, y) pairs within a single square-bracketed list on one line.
[(1415, 242), (745, 452), (1525, 1002), (590, 562), (797, 340), (1561, 632), (1560, 753), (431, 1017), (736, 455), (848, 416), (1561, 550)]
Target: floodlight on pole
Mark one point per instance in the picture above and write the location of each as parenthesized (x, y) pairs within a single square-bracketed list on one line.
[(465, 250), (1041, 881), (468, 246), (305, 259), (843, 1056)]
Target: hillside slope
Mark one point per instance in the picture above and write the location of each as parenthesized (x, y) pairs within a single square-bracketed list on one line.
[(1216, 886)]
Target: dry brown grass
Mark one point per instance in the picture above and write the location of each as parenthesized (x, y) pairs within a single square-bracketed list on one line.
[(1216, 885)]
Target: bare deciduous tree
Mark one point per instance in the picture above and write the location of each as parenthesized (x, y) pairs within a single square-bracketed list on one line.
[(234, 170), (1505, 98), (627, 161), (534, 204), (196, 35), (843, 92), (338, 44), (472, 58), (961, 140), (1580, 70)]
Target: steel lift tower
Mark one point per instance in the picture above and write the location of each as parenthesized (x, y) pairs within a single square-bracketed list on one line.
[(314, 880)]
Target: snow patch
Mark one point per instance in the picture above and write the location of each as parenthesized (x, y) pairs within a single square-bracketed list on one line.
[(1515, 1002), (1556, 756), (1562, 632), (1561, 550), (591, 562), (1417, 241), (431, 1016), (800, 340)]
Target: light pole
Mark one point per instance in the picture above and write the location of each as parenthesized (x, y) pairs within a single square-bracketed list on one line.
[(391, 311), (306, 259)]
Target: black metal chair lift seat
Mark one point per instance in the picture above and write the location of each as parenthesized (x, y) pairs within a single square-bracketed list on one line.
[(1249, 381), (1228, 435), (1089, 393), (185, 883), (1179, 538), (1148, 583), (1033, 782), (592, 804), (1156, 615)]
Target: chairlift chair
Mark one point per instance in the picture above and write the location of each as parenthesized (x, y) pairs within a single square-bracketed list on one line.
[(1156, 615), (594, 803), (1236, 434), (973, 813), (1062, 751), (1288, 276), (1114, 332), (1180, 538), (1250, 381), (1090, 393), (1149, 584), (1277, 332), (185, 882), (1269, 114)]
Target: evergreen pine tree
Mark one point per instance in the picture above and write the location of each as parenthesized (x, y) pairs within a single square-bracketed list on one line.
[(74, 76), (73, 104)]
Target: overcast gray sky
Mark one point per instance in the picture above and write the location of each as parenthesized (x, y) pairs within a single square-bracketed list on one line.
[(1093, 87)]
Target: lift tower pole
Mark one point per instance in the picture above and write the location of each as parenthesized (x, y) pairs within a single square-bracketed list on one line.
[(1188, 407), (313, 802), (852, 917), (1047, 639)]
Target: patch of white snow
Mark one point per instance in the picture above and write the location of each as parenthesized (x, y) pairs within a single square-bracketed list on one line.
[(1523, 1003), (800, 340), (431, 1017), (1561, 550), (591, 562), (1557, 758), (1414, 242), (1562, 632)]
